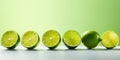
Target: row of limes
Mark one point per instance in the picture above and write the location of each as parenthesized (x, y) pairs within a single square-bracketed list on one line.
[(52, 38)]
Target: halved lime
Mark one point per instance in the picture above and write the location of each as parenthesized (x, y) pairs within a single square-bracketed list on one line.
[(51, 39), (71, 39), (91, 39), (30, 39), (109, 39), (10, 39)]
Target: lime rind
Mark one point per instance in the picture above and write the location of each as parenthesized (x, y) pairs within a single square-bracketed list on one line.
[(10, 39), (51, 39), (30, 39), (71, 39)]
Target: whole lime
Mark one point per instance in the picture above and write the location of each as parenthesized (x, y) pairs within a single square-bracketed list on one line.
[(91, 39)]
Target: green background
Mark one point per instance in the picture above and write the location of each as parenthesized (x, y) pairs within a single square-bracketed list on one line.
[(61, 15)]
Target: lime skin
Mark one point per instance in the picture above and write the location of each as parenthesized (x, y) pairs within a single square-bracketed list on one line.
[(91, 39)]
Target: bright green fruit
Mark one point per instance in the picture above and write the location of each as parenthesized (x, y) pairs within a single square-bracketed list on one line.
[(30, 39), (51, 39), (71, 39), (10, 39), (91, 39), (109, 39)]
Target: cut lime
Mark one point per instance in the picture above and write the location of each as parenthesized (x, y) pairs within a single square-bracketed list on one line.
[(91, 39), (10, 39), (71, 39), (51, 39), (109, 39), (30, 39)]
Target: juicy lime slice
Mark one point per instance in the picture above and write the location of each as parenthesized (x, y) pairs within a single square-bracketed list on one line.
[(71, 39), (30, 39), (51, 39), (91, 39), (10, 39), (109, 39)]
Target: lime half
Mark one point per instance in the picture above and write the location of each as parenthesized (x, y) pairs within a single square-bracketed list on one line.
[(51, 39), (10, 39), (109, 39), (71, 39), (91, 39), (30, 39)]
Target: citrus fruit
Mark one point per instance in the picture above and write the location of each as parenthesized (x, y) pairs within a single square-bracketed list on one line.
[(10, 39), (30, 39), (91, 39), (109, 39), (51, 39), (71, 39)]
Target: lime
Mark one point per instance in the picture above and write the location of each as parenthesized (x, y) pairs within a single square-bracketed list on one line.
[(51, 39), (30, 39), (71, 39), (109, 39), (91, 39), (10, 39)]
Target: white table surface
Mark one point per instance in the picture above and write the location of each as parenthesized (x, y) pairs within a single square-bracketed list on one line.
[(60, 53)]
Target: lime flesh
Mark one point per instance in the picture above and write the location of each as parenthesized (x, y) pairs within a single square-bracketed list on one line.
[(30, 39), (10, 39), (71, 39), (109, 39), (51, 39), (91, 39)]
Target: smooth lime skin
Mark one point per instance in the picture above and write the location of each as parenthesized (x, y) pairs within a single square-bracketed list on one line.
[(91, 39)]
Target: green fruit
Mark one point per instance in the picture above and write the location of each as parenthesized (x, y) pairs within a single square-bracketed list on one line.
[(109, 39), (71, 39), (10, 39), (51, 39), (90, 39), (30, 39)]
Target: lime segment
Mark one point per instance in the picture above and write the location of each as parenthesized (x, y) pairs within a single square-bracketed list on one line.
[(51, 39), (71, 39), (10, 39), (30, 39)]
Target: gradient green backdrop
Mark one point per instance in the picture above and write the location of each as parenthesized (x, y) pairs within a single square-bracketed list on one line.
[(61, 15)]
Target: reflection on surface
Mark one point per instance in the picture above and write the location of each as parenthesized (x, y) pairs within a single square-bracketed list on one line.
[(61, 53)]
